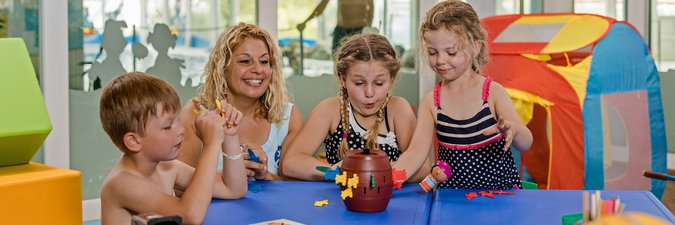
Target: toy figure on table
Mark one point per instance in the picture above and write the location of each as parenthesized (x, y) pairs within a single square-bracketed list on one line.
[(439, 173)]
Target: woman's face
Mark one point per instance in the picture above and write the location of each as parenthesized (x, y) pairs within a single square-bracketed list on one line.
[(249, 73), (367, 85)]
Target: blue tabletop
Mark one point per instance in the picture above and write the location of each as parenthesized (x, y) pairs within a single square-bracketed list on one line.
[(295, 201), (531, 206)]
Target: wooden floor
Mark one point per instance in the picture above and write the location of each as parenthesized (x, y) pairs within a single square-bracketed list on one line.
[(668, 198)]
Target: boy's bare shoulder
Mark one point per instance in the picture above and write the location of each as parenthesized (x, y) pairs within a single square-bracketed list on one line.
[(123, 181), (118, 181), (120, 172), (172, 166), (113, 210), (125, 187), (126, 191)]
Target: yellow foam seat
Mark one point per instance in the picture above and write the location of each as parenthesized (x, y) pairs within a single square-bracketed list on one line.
[(39, 194)]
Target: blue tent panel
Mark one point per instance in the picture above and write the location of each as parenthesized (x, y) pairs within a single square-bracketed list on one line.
[(621, 63)]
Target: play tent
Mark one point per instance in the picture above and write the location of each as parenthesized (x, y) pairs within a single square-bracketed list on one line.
[(588, 89)]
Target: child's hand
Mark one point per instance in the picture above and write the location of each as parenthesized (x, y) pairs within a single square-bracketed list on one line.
[(438, 174), (503, 126), (209, 126), (232, 117), (254, 169)]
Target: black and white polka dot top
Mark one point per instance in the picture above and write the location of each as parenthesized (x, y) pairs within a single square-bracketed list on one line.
[(477, 161), (356, 140)]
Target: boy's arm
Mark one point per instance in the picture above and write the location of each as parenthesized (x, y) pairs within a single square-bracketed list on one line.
[(191, 148), (138, 195), (231, 183), (418, 152), (195, 200)]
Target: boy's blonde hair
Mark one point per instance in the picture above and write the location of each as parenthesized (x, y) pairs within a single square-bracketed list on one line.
[(459, 17), (129, 100), (363, 48), (273, 101)]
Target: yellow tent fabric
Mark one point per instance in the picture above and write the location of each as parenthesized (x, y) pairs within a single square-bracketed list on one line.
[(543, 58), (578, 31), (576, 75), (523, 101)]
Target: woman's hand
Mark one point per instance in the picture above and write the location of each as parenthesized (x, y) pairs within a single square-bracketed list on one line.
[(257, 170)]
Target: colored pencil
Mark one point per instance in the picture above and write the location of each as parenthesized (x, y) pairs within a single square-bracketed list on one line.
[(656, 175)]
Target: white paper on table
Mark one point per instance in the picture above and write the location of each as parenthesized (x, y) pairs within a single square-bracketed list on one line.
[(279, 221)]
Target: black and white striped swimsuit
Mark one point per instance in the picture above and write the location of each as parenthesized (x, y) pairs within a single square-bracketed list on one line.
[(477, 161)]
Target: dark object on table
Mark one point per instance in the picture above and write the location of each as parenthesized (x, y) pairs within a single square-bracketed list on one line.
[(154, 219)]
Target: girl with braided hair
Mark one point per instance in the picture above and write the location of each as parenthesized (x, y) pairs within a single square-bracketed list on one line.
[(363, 116)]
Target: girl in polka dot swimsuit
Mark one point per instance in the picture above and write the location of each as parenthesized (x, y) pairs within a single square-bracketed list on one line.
[(471, 116), (364, 115)]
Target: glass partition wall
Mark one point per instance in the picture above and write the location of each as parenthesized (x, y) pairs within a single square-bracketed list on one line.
[(168, 38), (309, 67)]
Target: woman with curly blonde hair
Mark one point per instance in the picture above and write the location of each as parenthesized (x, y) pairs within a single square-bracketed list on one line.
[(244, 69)]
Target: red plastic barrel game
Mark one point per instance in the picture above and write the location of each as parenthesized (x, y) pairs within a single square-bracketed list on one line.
[(375, 185)]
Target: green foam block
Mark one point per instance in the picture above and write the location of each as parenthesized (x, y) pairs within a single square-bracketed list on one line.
[(24, 122)]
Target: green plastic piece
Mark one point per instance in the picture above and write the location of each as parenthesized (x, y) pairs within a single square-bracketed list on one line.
[(322, 168), (570, 219), (529, 185)]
